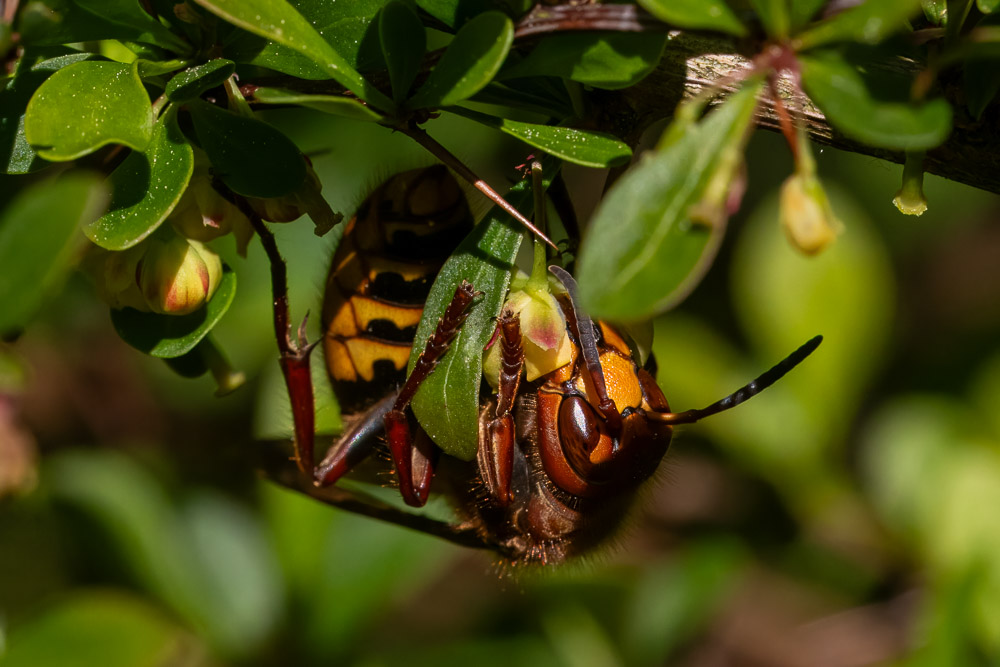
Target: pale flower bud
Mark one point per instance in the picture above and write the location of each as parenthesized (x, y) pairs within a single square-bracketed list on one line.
[(543, 335), (306, 200), (806, 215), (115, 276), (203, 214), (178, 276)]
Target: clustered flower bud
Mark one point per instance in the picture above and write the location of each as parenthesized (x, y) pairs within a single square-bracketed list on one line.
[(166, 274), (307, 200), (203, 214)]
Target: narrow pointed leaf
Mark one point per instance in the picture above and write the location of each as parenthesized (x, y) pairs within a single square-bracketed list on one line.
[(869, 22), (696, 15), (279, 22), (840, 92), (346, 107), (774, 16), (130, 13), (472, 60), (803, 11), (145, 188), (603, 60), (643, 251), (583, 147), (168, 336), (250, 156), (447, 403), (404, 41), (192, 82), (38, 239), (88, 105), (980, 83)]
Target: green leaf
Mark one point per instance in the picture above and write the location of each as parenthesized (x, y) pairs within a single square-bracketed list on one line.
[(19, 158), (936, 11), (346, 25), (545, 96), (583, 147), (243, 593), (54, 22), (774, 16), (404, 41), (191, 83), (980, 82), (95, 629), (38, 242), (471, 61), (346, 107), (250, 156), (671, 601), (602, 60), (88, 105), (869, 22), (447, 403), (987, 6), (455, 13), (167, 336), (280, 22), (643, 251), (839, 91), (696, 15), (145, 188), (802, 11), (130, 13)]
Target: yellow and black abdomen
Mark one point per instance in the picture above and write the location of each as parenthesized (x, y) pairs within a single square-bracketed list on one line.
[(390, 253)]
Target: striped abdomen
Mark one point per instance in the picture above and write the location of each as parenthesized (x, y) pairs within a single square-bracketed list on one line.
[(391, 251)]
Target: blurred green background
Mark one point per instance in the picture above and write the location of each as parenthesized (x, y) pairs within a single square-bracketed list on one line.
[(847, 516)]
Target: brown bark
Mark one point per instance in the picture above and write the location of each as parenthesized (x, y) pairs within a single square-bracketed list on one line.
[(971, 155)]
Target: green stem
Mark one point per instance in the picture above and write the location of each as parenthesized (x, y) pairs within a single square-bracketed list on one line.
[(237, 102), (227, 379), (539, 279)]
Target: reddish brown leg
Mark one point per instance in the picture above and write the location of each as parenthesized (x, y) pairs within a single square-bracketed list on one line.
[(496, 445), (355, 445), (414, 457)]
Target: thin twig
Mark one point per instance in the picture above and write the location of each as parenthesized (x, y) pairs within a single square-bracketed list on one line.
[(787, 126), (419, 135), (365, 505), (294, 354)]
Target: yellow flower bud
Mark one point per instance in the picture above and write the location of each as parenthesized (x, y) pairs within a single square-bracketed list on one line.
[(178, 276), (806, 215)]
